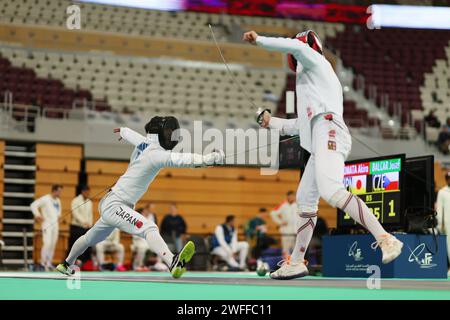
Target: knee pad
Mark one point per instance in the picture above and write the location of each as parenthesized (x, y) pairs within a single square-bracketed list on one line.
[(336, 199)]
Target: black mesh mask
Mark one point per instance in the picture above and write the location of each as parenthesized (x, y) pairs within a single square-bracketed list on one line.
[(167, 130)]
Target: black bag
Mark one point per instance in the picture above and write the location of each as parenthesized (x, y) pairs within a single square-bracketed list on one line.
[(420, 221)]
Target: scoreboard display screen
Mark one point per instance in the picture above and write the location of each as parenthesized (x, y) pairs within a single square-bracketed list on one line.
[(377, 182)]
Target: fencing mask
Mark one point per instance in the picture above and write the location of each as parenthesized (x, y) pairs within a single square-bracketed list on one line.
[(312, 39), (167, 130)]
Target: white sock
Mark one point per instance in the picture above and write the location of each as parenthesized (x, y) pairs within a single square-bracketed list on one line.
[(307, 222), (77, 250), (158, 246), (359, 211)]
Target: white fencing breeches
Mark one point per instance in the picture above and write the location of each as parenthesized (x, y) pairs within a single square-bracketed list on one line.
[(50, 235), (228, 257), (323, 177)]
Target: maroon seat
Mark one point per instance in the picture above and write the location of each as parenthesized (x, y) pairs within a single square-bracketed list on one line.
[(394, 60), (27, 88)]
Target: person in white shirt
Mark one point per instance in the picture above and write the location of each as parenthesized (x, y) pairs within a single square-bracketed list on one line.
[(443, 212), (111, 244), (47, 211), (150, 154), (140, 247), (225, 244), (285, 216), (82, 218), (323, 133)]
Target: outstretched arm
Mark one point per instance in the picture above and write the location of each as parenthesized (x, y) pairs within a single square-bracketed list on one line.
[(193, 160), (129, 135), (300, 50), (287, 127)]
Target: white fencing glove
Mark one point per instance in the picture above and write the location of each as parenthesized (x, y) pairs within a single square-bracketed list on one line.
[(260, 114)]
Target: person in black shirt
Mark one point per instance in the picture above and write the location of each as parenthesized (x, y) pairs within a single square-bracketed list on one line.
[(173, 228)]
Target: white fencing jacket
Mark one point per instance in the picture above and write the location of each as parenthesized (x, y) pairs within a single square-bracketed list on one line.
[(50, 209), (82, 213), (286, 213), (317, 87), (443, 210), (147, 159)]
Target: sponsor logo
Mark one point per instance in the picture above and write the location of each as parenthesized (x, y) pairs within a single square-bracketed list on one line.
[(355, 252), (423, 259), (129, 218)]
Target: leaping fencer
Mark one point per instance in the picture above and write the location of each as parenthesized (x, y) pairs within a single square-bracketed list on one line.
[(151, 154), (324, 134)]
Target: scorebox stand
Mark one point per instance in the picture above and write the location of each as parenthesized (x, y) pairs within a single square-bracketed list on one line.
[(351, 255)]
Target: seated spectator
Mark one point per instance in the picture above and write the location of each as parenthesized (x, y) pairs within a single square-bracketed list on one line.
[(140, 247), (173, 228), (431, 120), (111, 244), (444, 139), (225, 244), (256, 233)]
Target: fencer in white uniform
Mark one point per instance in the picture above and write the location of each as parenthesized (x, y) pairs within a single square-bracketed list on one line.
[(285, 216), (111, 244), (443, 211), (151, 154), (323, 133), (47, 209)]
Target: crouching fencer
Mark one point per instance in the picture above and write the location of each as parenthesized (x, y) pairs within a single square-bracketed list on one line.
[(150, 154), (324, 134)]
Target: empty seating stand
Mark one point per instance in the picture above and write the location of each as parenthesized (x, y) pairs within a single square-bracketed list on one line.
[(150, 85), (393, 60), (142, 22), (28, 88)]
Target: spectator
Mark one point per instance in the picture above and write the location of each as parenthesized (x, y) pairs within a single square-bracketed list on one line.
[(256, 233), (111, 244), (443, 211), (285, 216), (431, 120), (173, 228), (82, 219), (225, 244), (47, 210), (444, 139), (140, 247)]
